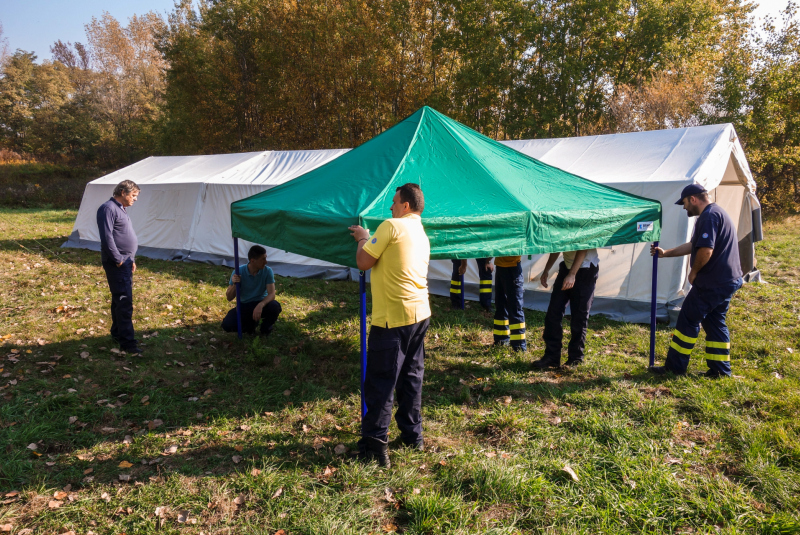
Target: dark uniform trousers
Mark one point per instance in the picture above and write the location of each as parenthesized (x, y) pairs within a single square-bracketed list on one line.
[(120, 283), (269, 315), (485, 289), (509, 318), (395, 363), (579, 298), (707, 307)]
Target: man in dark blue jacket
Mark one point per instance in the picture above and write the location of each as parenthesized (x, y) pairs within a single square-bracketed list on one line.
[(118, 245), (715, 276)]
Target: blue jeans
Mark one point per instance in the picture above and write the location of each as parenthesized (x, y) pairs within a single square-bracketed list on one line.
[(707, 307)]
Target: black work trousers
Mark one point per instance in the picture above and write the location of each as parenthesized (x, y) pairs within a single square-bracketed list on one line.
[(579, 298), (484, 290), (120, 283), (395, 363), (269, 315)]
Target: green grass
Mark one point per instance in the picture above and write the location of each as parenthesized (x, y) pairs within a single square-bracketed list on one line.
[(652, 455)]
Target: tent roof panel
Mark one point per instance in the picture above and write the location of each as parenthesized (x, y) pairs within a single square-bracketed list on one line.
[(690, 154)]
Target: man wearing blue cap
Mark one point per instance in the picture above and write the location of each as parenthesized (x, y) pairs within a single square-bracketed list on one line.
[(715, 276)]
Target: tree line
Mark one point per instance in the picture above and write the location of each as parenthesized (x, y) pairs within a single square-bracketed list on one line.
[(224, 76)]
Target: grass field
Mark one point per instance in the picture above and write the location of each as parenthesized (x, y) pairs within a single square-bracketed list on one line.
[(209, 434)]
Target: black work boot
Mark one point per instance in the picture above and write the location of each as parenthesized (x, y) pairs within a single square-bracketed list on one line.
[(547, 362), (418, 444), (572, 362), (374, 449)]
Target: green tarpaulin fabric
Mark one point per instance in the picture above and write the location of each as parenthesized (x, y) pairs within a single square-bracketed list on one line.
[(482, 199)]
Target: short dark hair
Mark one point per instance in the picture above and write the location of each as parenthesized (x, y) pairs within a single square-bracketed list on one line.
[(412, 194), (125, 187), (255, 252), (702, 196)]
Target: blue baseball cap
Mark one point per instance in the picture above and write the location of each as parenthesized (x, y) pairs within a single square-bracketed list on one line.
[(688, 191)]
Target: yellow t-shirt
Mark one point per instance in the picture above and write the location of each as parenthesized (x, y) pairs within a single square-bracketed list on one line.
[(400, 277), (507, 261)]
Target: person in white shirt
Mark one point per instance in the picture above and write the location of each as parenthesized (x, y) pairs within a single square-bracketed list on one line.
[(574, 286)]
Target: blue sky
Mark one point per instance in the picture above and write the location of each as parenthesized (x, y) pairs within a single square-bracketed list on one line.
[(34, 25)]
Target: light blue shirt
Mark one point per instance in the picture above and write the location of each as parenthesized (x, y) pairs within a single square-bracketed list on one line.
[(254, 287)]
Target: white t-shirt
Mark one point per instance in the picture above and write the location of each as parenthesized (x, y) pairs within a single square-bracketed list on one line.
[(591, 258)]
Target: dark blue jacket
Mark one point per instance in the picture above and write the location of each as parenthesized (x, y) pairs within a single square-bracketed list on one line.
[(118, 241)]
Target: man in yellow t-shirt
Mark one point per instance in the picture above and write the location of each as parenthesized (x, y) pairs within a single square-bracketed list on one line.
[(398, 254), (509, 317)]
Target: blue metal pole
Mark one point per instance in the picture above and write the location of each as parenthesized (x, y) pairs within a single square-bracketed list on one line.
[(362, 288), (653, 297), (462, 292), (238, 285)]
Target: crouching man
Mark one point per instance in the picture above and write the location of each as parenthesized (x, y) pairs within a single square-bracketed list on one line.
[(398, 254), (257, 295)]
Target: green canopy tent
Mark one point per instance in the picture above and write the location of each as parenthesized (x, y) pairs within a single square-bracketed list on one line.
[(482, 199)]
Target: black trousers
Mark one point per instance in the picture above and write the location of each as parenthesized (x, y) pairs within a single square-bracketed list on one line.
[(395, 363), (579, 298), (485, 288), (269, 315), (120, 283)]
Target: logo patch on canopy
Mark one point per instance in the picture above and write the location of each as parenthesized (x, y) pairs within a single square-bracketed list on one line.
[(644, 226)]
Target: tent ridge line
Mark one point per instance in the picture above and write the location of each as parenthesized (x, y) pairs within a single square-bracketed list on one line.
[(366, 209)]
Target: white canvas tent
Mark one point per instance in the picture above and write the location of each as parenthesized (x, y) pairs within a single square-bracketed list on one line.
[(183, 212)]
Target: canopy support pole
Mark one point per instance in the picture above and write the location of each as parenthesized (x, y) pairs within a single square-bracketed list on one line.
[(362, 289), (653, 296), (238, 284), (462, 292)]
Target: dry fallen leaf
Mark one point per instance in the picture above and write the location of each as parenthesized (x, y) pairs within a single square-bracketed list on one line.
[(12, 494), (54, 504), (415, 491), (389, 495), (145, 399), (88, 471), (255, 472), (340, 449), (33, 447), (287, 392), (124, 477), (152, 424), (73, 419), (571, 473), (127, 440), (183, 516), (238, 448), (160, 511), (6, 527), (105, 496), (60, 495), (280, 531), (236, 459), (389, 528), (171, 449), (124, 464), (277, 493), (239, 500)]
